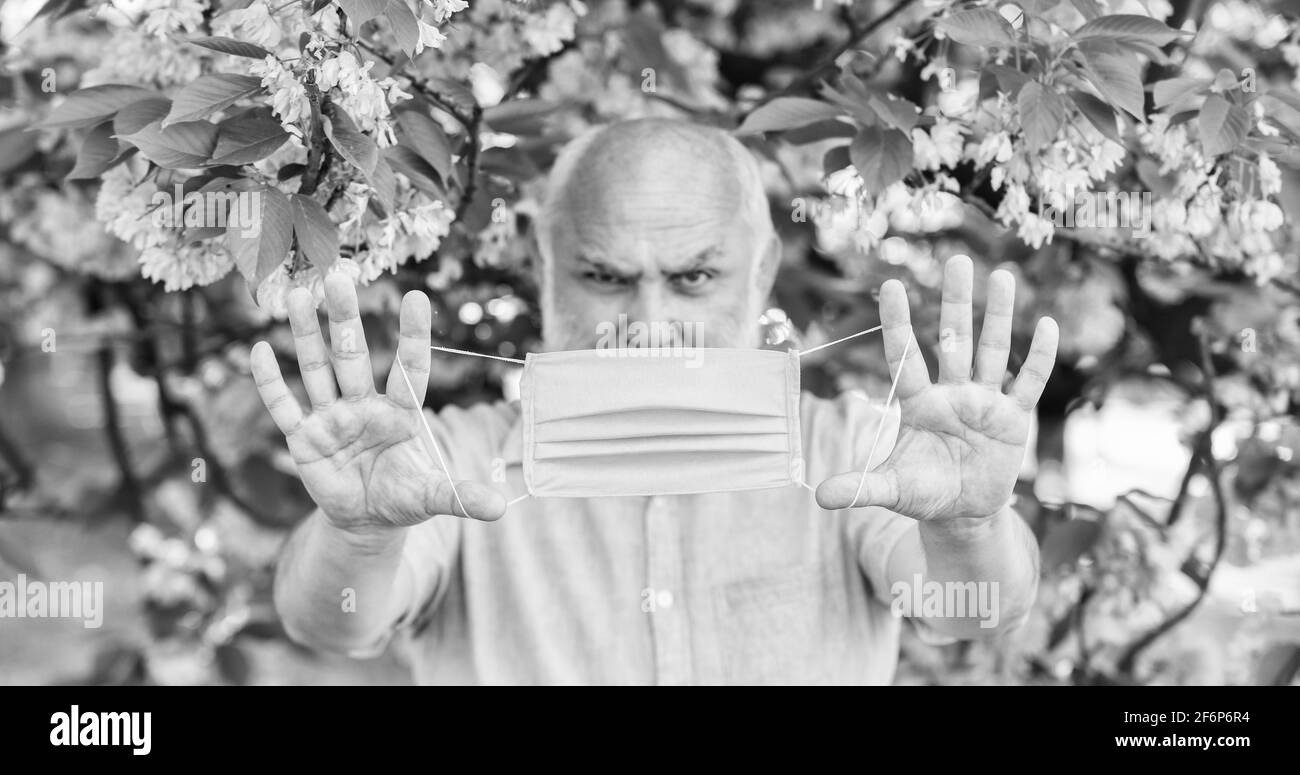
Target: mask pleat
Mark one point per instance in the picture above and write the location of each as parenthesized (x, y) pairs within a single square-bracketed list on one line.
[(637, 475), (660, 421)]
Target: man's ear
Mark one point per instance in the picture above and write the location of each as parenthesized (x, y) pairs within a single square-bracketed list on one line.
[(769, 261), (533, 250)]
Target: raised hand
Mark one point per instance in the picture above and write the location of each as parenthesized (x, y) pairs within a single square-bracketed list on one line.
[(962, 441), (363, 457)]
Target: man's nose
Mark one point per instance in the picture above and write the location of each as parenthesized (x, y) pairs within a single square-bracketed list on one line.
[(653, 309)]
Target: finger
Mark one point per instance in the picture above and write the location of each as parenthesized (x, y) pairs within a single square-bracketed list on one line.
[(995, 334), (476, 501), (348, 338), (313, 358), (412, 353), (955, 320), (876, 488), (275, 394), (900, 341), (1038, 366)]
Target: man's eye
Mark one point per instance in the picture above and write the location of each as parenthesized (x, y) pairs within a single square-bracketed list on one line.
[(603, 278), (693, 280)]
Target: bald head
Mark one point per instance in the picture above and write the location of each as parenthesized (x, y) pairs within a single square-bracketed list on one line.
[(654, 219)]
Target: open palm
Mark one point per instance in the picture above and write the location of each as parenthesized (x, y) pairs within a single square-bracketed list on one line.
[(363, 456), (961, 441)]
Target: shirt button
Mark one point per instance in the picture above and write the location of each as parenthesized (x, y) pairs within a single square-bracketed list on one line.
[(664, 599)]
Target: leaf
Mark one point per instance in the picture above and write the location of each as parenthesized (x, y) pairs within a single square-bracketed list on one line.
[(17, 145), (416, 170), (423, 135), (90, 107), (897, 112), (978, 27), (1067, 542), (836, 159), (1098, 113), (361, 11), (405, 29), (60, 8), (96, 153), (318, 237), (1115, 74), (247, 138), (233, 47), (822, 130), (210, 93), (881, 156), (179, 146), (1149, 173), (1042, 111), (257, 255), (785, 113), (1223, 125), (139, 115), (1175, 91), (1087, 8), (521, 117), (384, 183), (1126, 28), (359, 150), (1010, 80)]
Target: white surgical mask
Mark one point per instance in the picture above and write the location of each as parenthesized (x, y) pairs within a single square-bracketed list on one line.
[(601, 422)]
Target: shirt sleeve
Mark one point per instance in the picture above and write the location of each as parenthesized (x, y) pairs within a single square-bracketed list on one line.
[(839, 434), (470, 440), (876, 532)]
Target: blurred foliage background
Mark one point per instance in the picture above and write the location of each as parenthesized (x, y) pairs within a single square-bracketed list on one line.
[(1163, 482)]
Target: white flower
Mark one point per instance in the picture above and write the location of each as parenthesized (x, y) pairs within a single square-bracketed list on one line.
[(548, 34), (1270, 177), (1035, 230), (1204, 214), (253, 24), (180, 267), (443, 9), (1260, 215), (902, 45), (1014, 205), (940, 147), (430, 37), (167, 16), (1106, 157), (123, 207), (1169, 215), (361, 97), (995, 147), (487, 84), (288, 96)]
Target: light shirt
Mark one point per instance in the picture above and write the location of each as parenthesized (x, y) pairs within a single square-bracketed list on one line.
[(749, 587)]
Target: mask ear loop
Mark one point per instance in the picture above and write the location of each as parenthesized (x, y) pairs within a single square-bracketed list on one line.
[(802, 353), (881, 425), (415, 399), (430, 431)]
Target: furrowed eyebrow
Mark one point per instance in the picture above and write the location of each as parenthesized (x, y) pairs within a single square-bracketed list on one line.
[(700, 261), (606, 267)]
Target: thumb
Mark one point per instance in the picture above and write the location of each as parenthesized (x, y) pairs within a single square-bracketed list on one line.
[(463, 499), (856, 489)]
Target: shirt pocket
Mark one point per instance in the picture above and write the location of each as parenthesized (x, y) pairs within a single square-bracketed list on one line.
[(784, 627)]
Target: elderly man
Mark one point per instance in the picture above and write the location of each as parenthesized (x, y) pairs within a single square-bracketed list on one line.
[(664, 222)]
